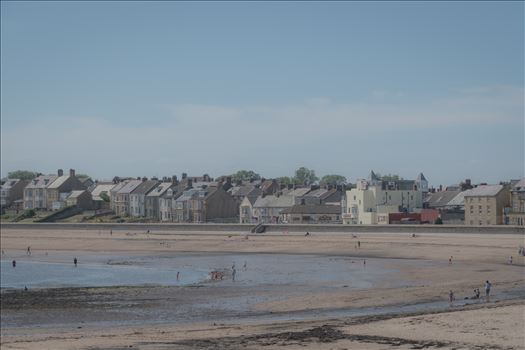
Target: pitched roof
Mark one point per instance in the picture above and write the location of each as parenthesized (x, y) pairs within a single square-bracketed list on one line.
[(119, 186), (459, 200), (299, 192), (42, 181), (99, 188), (160, 189), (10, 183), (59, 181), (519, 186), (75, 194), (145, 186), (313, 209), (484, 191), (440, 199), (274, 201), (129, 186)]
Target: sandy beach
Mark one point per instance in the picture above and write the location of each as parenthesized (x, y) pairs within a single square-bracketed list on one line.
[(400, 302)]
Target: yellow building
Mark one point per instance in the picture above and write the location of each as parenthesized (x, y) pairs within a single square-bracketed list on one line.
[(484, 205)]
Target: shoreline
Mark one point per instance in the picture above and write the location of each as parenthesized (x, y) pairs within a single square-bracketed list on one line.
[(408, 308)]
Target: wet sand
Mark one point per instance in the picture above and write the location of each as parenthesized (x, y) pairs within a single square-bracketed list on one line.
[(278, 315)]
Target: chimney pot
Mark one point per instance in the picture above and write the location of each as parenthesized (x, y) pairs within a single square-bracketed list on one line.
[(71, 172), (60, 172)]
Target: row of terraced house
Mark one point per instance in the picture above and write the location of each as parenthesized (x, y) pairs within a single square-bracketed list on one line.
[(204, 199)]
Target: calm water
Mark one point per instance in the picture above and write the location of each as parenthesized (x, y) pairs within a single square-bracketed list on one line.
[(100, 270)]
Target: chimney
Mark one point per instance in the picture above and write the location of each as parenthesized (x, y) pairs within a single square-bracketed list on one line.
[(467, 181), (440, 188), (60, 172), (184, 176), (144, 179), (174, 180), (71, 172), (190, 183), (229, 180)]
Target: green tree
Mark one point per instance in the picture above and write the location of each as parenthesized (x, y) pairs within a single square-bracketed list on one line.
[(389, 177), (285, 180), (22, 175), (333, 180), (104, 196), (245, 175), (305, 176)]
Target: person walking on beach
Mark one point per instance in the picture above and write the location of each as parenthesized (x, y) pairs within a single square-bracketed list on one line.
[(111, 232), (75, 261), (233, 275), (358, 244), (451, 298), (450, 260), (14, 263), (244, 267), (488, 285), (364, 262), (28, 250), (178, 275)]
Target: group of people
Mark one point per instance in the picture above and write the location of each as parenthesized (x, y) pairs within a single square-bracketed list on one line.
[(476, 295)]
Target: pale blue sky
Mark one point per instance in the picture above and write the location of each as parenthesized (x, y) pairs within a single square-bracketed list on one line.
[(156, 88)]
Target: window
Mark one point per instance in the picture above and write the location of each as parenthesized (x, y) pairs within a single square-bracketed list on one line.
[(488, 208), (354, 198), (488, 222), (480, 222)]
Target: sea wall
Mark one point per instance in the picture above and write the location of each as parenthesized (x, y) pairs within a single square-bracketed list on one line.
[(271, 229)]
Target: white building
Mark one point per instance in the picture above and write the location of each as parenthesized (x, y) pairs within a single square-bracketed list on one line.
[(372, 200)]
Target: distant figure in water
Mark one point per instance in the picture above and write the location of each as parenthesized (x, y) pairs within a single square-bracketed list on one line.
[(244, 266), (364, 262), (111, 232), (14, 263), (450, 260), (178, 275), (488, 285), (28, 250), (3, 253), (75, 261), (451, 297), (358, 244), (147, 232), (233, 275)]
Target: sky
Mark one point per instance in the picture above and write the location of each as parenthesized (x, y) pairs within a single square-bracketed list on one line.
[(162, 88)]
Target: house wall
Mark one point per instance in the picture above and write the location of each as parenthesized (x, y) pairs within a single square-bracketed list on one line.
[(246, 212), (137, 204), (220, 205), (486, 210), (53, 194)]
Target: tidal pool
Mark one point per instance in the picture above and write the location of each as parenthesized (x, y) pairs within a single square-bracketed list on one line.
[(251, 269)]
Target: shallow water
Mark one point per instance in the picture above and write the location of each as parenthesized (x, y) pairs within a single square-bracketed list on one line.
[(251, 269)]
